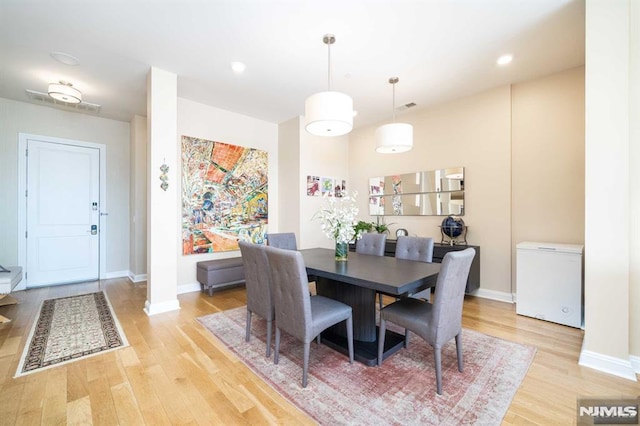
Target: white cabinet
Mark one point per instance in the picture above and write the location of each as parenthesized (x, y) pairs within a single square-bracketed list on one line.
[(549, 282)]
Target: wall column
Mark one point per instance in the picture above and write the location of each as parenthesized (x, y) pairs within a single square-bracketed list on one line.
[(162, 218), (607, 188)]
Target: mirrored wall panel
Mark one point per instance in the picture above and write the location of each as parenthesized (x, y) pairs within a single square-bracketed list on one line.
[(430, 193)]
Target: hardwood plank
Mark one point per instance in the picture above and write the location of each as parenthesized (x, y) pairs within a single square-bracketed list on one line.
[(126, 405), (103, 409), (54, 410), (79, 412)]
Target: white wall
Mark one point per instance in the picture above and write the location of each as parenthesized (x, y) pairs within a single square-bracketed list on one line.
[(288, 177), (608, 185), (319, 156), (138, 200), (302, 155), (202, 121), (21, 117), (162, 216)]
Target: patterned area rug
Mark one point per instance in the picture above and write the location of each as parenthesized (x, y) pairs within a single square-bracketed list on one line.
[(401, 392), (70, 328)]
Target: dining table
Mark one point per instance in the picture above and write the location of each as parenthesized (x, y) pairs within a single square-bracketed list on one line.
[(355, 283)]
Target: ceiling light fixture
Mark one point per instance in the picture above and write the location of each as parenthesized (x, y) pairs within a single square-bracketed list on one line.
[(329, 113), (65, 92), (394, 137), (238, 67), (504, 59), (65, 58)]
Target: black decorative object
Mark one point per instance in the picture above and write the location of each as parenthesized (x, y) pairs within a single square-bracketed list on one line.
[(454, 228)]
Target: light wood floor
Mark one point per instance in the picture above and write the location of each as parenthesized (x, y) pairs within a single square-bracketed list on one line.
[(174, 372)]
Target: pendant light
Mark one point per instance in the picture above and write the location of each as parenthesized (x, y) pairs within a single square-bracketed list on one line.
[(394, 137), (329, 113), (65, 92)]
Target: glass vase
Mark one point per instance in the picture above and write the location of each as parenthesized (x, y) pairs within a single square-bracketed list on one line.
[(342, 249)]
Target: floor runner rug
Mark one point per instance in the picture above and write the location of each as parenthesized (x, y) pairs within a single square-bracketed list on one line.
[(400, 392), (70, 328)]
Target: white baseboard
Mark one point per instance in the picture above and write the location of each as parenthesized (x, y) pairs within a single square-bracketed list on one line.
[(114, 274), (162, 307), (608, 364), (635, 362), (136, 278), (189, 288), (494, 295)]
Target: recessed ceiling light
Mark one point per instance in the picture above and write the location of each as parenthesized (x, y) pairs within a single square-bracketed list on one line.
[(65, 58), (504, 59), (238, 67)]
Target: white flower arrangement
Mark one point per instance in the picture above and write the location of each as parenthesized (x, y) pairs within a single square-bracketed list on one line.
[(338, 218)]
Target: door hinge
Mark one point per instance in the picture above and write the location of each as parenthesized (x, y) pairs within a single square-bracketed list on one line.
[(26, 234), (26, 152), (25, 275), (26, 192)]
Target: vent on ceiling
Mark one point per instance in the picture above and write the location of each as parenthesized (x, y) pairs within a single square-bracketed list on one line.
[(46, 99), (406, 106)]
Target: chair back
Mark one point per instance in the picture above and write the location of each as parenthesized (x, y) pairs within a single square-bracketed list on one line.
[(371, 243), (415, 248), (257, 278), (446, 320), (283, 240), (290, 291)]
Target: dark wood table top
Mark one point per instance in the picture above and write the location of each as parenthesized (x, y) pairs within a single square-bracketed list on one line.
[(381, 273)]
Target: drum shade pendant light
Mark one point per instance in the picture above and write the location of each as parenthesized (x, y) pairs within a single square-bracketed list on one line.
[(65, 92), (329, 113), (394, 137)]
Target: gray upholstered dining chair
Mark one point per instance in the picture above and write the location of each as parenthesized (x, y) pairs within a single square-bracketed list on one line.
[(297, 313), (287, 241), (439, 322), (258, 283), (372, 244), (419, 249), (283, 240)]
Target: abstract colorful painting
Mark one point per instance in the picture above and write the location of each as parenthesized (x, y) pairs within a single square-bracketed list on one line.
[(224, 195)]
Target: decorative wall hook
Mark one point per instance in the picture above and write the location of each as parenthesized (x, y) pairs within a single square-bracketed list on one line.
[(163, 177)]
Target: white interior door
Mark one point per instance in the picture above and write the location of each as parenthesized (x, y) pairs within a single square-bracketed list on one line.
[(63, 212)]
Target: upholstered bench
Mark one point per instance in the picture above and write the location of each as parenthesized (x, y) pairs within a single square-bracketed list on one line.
[(220, 273)]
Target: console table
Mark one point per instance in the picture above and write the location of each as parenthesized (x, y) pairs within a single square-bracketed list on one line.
[(439, 250)]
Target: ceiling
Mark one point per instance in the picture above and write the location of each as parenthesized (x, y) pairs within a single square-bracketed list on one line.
[(440, 49)]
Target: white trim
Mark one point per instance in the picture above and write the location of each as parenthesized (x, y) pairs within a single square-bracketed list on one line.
[(494, 295), (160, 308), (607, 364), (635, 362), (115, 274), (189, 288), (22, 200), (136, 278)]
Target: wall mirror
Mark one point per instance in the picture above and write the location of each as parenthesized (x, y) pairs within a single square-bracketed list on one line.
[(429, 193)]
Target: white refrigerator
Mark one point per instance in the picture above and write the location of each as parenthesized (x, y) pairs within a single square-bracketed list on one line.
[(549, 282)]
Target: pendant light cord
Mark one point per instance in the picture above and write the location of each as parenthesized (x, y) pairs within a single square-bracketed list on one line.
[(393, 103), (329, 67)]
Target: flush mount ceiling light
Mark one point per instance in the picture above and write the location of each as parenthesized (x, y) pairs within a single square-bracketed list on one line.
[(65, 58), (65, 92), (329, 113), (238, 67), (394, 137), (504, 59)]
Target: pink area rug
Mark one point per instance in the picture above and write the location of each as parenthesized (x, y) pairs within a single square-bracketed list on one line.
[(401, 392)]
